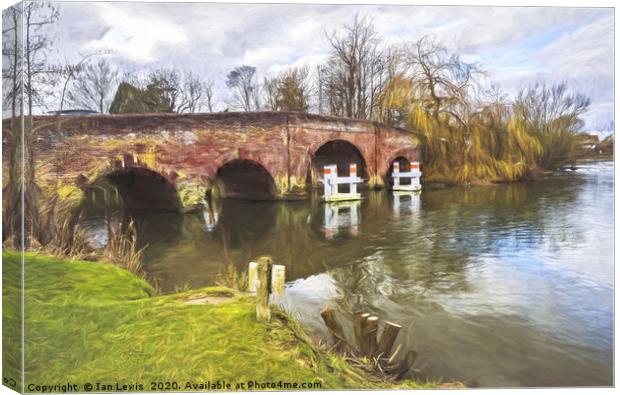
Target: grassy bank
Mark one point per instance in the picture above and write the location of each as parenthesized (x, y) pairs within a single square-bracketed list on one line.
[(93, 322)]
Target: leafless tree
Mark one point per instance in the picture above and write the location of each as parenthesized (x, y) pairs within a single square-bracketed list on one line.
[(196, 94), (444, 83), (208, 87), (319, 84), (169, 81), (271, 93), (354, 75), (28, 77), (11, 59), (37, 77), (94, 86), (242, 82)]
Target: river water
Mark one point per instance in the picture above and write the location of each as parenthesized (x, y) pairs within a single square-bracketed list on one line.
[(507, 285)]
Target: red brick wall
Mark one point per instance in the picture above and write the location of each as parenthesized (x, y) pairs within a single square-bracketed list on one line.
[(197, 145)]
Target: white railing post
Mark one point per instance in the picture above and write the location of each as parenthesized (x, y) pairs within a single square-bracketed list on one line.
[(327, 188), (414, 168), (331, 182), (413, 174), (395, 172), (352, 176)]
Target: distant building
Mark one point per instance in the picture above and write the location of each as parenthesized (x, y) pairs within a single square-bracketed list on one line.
[(589, 141)]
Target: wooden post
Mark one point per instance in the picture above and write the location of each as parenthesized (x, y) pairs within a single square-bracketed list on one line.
[(278, 279), (352, 174), (395, 171), (358, 328), (263, 274), (329, 317), (370, 334), (388, 337), (252, 277)]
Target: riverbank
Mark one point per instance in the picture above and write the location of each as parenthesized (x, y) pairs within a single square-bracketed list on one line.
[(90, 322)]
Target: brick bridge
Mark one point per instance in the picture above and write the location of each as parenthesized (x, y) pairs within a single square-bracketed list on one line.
[(166, 160)]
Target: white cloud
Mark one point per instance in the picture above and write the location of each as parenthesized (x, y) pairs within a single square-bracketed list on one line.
[(141, 37), (516, 45)]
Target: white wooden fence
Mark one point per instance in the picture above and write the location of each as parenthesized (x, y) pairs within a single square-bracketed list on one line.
[(331, 182), (413, 173)]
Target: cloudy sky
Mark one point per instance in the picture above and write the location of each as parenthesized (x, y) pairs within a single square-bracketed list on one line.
[(517, 46)]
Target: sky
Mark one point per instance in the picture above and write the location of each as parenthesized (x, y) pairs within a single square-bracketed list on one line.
[(517, 46)]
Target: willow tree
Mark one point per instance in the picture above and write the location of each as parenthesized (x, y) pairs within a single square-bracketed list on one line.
[(464, 139), (551, 114)]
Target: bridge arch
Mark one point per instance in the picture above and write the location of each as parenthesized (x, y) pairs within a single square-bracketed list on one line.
[(403, 163), (245, 179), (404, 157), (339, 152), (140, 189)]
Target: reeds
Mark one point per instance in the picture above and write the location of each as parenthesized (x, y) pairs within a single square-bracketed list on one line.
[(122, 248), (233, 278)]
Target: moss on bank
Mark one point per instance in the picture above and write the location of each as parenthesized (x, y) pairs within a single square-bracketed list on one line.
[(93, 322)]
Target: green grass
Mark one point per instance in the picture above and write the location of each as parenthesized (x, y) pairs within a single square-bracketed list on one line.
[(94, 322)]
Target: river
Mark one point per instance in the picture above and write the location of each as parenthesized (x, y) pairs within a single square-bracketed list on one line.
[(502, 286)]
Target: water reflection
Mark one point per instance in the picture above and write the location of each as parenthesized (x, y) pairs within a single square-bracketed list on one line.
[(341, 217), (509, 285), (405, 202)]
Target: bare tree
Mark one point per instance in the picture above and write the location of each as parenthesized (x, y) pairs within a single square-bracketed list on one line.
[(242, 81), (208, 87), (37, 76), (552, 114), (196, 94), (169, 82), (12, 59), (444, 84), (319, 84), (354, 75), (94, 87), (271, 93), (12, 89), (28, 76)]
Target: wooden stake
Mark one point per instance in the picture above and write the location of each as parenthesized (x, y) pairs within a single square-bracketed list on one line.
[(263, 288), (370, 334), (252, 277), (278, 275), (329, 317), (358, 328), (388, 337)]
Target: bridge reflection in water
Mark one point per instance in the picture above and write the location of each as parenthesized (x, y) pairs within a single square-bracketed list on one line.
[(341, 217), (523, 268)]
